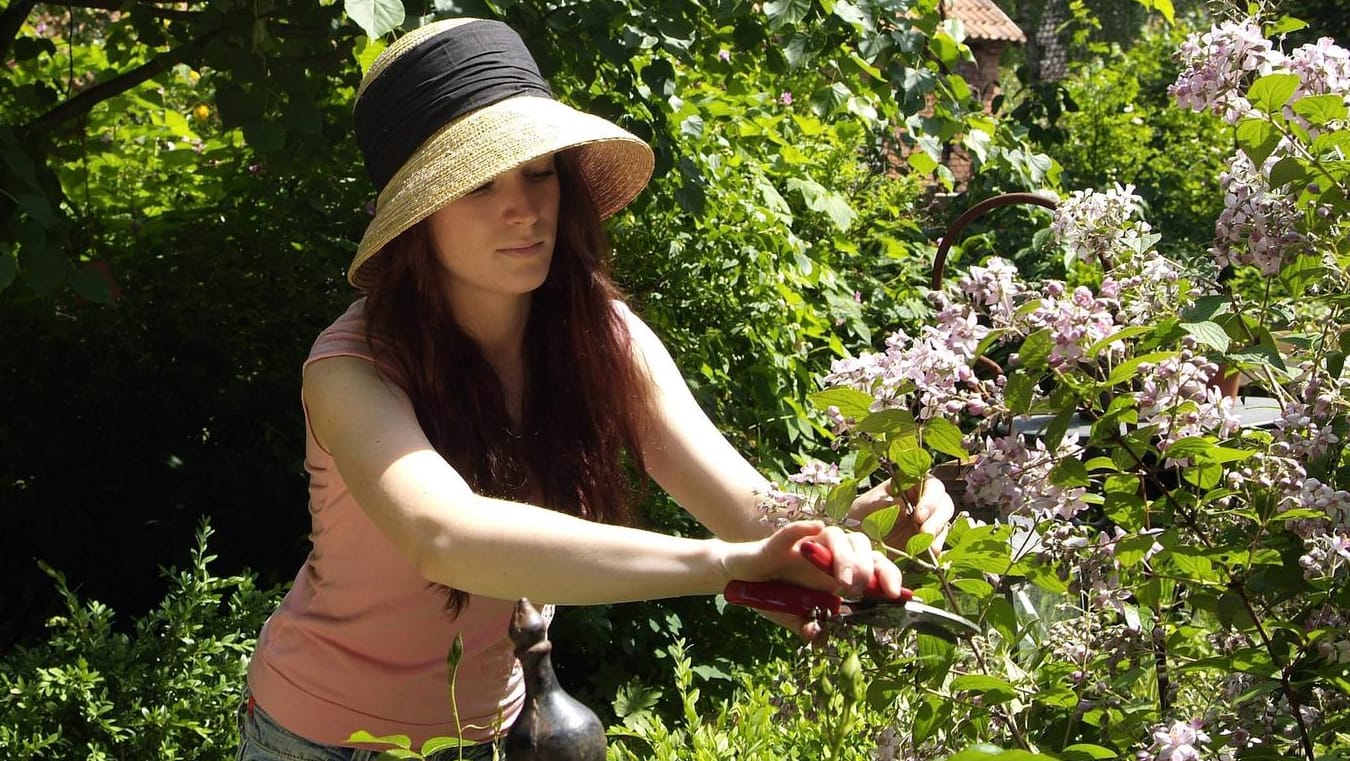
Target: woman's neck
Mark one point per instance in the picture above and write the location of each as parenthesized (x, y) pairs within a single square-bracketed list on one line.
[(497, 326)]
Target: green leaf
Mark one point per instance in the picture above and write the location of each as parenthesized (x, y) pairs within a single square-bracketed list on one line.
[(852, 403), (1284, 25), (878, 525), (913, 462), (1019, 392), (979, 588), (1069, 472), (783, 13), (375, 17), (43, 265), (1320, 110), (1000, 615), (934, 712), (1208, 307), (1087, 752), (919, 543), (888, 421), (819, 198), (945, 48), (265, 136), (367, 50), (1190, 446), (944, 436), (992, 688), (1194, 566), (1132, 549), (840, 499), (1287, 170), (90, 284), (922, 162), (1257, 138), (400, 741), (1045, 577), (850, 14), (1057, 695), (38, 208), (444, 743), (1035, 350), (1126, 370), (1271, 92), (1123, 334), (1208, 333)]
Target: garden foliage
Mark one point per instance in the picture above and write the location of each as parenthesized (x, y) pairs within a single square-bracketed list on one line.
[(1161, 565), (1159, 580), (167, 689)]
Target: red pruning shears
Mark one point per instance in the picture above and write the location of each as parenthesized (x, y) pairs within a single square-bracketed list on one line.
[(874, 609)]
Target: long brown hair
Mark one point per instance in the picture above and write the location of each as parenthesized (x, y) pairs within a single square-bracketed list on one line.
[(585, 400)]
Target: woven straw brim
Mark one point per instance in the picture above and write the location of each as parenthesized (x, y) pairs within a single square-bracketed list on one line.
[(474, 149)]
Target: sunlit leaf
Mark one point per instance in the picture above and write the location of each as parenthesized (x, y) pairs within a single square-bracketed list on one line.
[(1320, 110), (401, 741), (1270, 92), (852, 403), (375, 17), (1207, 333), (1257, 138), (993, 689), (878, 525), (944, 436)]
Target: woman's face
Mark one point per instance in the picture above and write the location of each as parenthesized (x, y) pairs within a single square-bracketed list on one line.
[(499, 238)]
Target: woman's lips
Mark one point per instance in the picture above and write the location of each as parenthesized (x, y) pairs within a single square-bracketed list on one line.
[(524, 249)]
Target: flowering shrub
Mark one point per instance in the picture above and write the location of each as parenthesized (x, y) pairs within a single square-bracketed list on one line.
[(1159, 562)]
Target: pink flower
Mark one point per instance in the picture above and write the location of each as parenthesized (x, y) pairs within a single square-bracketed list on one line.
[(785, 98), (1177, 743), (816, 472)]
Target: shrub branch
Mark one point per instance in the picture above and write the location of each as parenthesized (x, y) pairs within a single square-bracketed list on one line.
[(83, 102)]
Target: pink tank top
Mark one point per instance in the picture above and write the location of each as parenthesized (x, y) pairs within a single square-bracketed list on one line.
[(360, 641)]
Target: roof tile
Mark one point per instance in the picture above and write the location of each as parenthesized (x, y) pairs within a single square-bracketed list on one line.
[(984, 20)]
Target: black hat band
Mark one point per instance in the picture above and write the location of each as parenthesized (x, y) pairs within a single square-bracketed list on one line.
[(435, 82)]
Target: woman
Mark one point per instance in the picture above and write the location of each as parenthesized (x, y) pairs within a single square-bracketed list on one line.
[(472, 418)]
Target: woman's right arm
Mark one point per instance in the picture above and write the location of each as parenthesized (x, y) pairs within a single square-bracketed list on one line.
[(505, 549)]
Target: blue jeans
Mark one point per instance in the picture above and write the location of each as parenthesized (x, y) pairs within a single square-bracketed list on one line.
[(261, 738)]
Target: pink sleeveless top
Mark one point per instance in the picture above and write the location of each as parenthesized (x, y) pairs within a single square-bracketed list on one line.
[(361, 639)]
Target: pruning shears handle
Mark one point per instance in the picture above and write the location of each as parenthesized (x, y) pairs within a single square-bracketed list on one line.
[(786, 597)]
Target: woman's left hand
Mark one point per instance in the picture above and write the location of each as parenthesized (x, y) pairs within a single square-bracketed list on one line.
[(924, 509)]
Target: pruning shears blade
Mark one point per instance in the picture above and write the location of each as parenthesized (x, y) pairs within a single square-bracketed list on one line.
[(873, 610), (882, 614)]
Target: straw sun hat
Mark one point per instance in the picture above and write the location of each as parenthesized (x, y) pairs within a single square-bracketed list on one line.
[(456, 103)]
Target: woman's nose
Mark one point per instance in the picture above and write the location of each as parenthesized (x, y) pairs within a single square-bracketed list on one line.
[(519, 204)]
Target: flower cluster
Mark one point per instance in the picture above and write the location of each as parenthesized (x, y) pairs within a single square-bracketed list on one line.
[(1077, 321), (1145, 288), (1100, 226), (1218, 63), (934, 369), (1178, 396), (1014, 477), (778, 506), (1260, 222), (1303, 428), (1258, 226)]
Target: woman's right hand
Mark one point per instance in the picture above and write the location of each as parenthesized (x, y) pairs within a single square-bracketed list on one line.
[(779, 558)]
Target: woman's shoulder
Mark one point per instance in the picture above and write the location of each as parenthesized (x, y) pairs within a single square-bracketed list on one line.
[(346, 336)]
